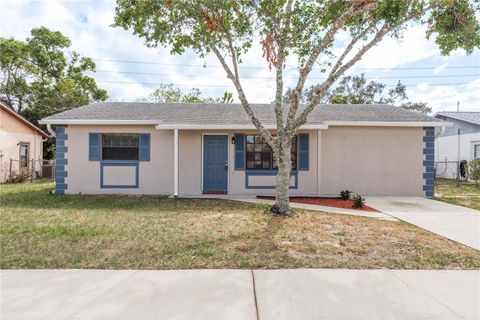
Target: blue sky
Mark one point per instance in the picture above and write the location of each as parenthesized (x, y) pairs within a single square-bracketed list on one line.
[(430, 77)]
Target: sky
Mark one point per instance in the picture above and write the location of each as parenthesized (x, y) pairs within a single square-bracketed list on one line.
[(129, 70)]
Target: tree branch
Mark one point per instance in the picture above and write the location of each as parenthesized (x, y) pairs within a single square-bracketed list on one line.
[(279, 69), (243, 99), (338, 71), (326, 40)]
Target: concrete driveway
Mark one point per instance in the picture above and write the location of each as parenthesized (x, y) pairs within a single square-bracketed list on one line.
[(454, 222), (239, 294)]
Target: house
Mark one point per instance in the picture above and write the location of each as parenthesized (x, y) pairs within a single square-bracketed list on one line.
[(21, 143), (193, 149), (460, 142)]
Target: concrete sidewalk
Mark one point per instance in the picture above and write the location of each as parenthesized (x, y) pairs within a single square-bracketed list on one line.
[(239, 294), (454, 222)]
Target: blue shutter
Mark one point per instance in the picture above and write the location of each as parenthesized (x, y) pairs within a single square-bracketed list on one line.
[(94, 146), (144, 149), (239, 151), (303, 152)]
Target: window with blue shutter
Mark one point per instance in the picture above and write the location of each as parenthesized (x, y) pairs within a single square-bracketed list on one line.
[(303, 152), (144, 151), (239, 151), (94, 146)]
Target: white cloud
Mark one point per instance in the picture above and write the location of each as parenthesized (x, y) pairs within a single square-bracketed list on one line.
[(392, 53), (440, 68), (87, 24), (423, 86)]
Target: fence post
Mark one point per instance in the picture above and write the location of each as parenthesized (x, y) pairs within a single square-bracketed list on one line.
[(458, 174)]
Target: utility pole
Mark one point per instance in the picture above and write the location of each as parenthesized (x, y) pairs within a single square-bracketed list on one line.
[(458, 149)]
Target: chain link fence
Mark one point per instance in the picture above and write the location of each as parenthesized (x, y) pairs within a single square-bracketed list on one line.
[(457, 170), (29, 170)]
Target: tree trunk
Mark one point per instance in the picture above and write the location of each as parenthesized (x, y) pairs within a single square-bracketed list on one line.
[(282, 204)]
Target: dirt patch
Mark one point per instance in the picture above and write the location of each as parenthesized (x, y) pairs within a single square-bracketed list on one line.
[(327, 202)]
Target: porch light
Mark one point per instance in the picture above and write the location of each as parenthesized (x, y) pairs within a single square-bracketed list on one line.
[(233, 140)]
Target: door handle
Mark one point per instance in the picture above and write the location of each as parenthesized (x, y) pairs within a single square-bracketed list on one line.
[(226, 164)]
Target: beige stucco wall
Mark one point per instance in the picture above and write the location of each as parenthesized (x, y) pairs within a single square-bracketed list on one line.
[(372, 161), (12, 132), (190, 164), (155, 176), (367, 160)]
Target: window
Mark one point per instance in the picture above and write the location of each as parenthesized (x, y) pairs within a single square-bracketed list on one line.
[(24, 154), (476, 151), (119, 146), (260, 156)]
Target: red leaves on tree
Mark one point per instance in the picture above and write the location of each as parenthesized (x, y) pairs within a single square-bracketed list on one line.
[(169, 3), (269, 46), (211, 23)]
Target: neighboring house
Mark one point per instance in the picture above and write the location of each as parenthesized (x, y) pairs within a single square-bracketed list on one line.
[(190, 149), (460, 142), (21, 143)]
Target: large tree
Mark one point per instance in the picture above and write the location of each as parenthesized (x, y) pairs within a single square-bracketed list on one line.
[(304, 29), (39, 78), (169, 93), (358, 90)]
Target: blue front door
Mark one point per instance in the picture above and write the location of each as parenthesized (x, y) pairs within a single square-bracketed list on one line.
[(215, 163)]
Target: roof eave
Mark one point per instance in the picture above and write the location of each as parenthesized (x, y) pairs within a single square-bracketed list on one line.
[(390, 123), (24, 121), (457, 118), (96, 122)]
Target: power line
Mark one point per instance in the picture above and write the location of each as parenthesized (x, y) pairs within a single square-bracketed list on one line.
[(229, 86), (310, 78), (260, 67)]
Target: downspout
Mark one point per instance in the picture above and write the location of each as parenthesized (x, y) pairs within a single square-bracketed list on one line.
[(440, 133), (50, 130)]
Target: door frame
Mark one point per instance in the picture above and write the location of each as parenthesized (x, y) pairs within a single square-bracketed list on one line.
[(228, 157)]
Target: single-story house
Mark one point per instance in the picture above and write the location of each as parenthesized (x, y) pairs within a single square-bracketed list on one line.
[(194, 149), (21, 143), (458, 143)]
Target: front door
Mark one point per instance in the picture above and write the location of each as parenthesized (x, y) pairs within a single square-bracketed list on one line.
[(215, 163)]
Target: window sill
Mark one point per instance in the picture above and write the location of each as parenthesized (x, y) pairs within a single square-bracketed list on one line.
[(119, 161), (266, 171)]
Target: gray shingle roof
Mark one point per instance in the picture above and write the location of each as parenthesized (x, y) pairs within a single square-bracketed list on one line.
[(471, 117), (225, 114)]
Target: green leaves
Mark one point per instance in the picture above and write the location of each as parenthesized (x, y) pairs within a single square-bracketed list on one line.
[(168, 93), (38, 79), (455, 25)]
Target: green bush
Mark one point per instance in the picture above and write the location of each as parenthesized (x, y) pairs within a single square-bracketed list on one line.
[(345, 194), (474, 170), (358, 201)]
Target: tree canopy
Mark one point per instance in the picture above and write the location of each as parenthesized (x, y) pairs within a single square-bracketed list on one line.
[(306, 31), (358, 90), (39, 78), (170, 93)]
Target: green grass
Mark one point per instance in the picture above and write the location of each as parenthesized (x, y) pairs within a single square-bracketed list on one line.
[(467, 194), (38, 230)]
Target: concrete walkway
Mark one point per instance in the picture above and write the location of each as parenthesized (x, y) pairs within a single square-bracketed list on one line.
[(239, 294), (325, 209), (454, 222)]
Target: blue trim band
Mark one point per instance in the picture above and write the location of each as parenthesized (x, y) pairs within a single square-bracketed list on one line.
[(429, 161), (120, 163), (61, 160), (267, 173)]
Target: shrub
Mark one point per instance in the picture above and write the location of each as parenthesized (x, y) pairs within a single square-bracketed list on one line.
[(474, 170), (345, 194), (19, 176), (358, 201)]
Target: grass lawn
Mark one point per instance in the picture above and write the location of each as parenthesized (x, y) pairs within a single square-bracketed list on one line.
[(39, 230), (466, 195)]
